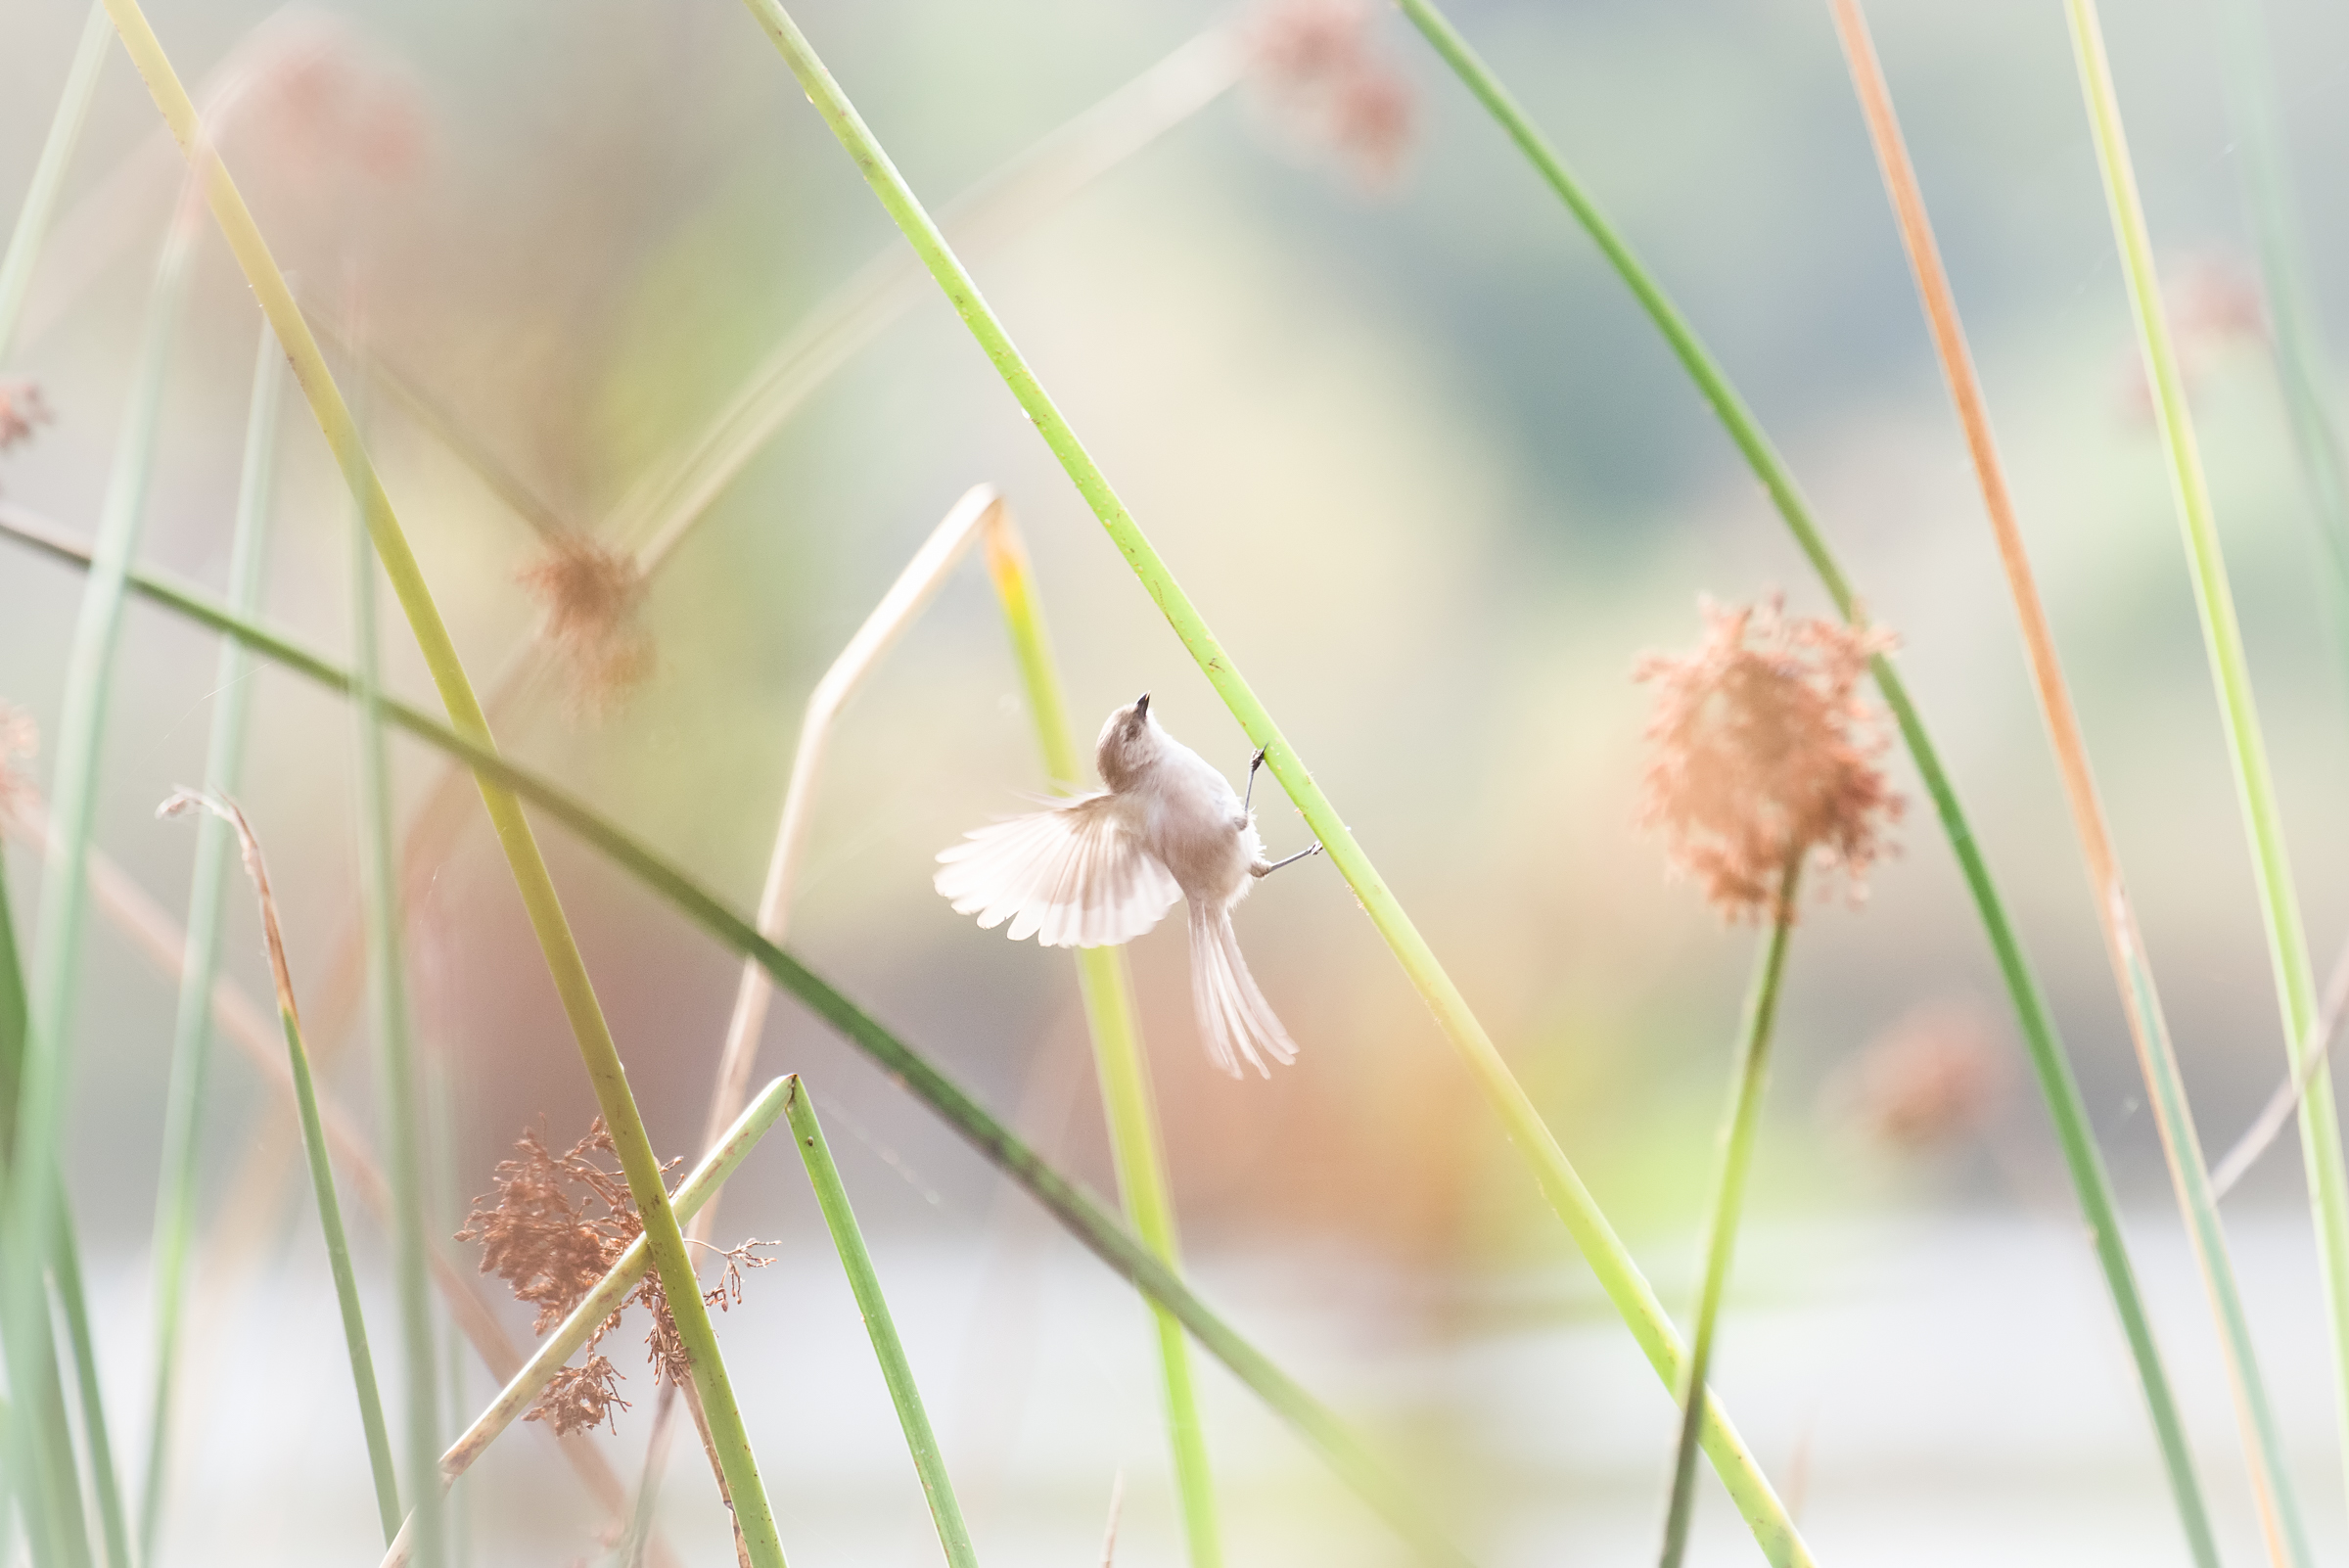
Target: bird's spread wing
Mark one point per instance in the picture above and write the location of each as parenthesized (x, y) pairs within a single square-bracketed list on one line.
[(1070, 876)]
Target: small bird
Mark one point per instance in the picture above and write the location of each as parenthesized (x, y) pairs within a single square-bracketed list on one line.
[(1100, 870)]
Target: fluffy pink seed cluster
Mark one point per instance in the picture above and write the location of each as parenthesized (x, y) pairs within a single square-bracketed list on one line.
[(20, 409), (1327, 81), (1760, 753), (589, 598)]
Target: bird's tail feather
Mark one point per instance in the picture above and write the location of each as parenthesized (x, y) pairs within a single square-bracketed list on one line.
[(1235, 1022)]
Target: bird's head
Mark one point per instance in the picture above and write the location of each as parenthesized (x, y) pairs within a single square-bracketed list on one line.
[(1130, 743)]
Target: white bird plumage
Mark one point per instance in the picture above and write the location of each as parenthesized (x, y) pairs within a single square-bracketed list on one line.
[(1100, 870)]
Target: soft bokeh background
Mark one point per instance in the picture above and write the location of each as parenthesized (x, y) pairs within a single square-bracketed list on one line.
[(1437, 483)]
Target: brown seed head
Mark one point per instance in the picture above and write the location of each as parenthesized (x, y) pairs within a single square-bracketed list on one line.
[(553, 1228), (1931, 1078), (590, 600), (1760, 751), (1328, 82), (22, 407)]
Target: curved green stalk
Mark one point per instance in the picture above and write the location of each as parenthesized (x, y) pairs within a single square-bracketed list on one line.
[(2057, 1085), (1084, 1219), (191, 1030), (1127, 1102), (754, 1514), (49, 174), (2223, 643), (1728, 1202), (34, 1187), (1561, 1183), (858, 1264), (396, 1074)]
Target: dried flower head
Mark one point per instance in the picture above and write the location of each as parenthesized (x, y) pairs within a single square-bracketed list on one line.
[(22, 407), (554, 1228), (1931, 1078), (590, 602), (1327, 83), (19, 740), (323, 100), (1761, 752)]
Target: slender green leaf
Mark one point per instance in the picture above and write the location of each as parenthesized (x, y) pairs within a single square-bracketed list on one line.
[(895, 1371)]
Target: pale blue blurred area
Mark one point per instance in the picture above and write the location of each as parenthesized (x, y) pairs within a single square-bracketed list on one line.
[(1436, 485)]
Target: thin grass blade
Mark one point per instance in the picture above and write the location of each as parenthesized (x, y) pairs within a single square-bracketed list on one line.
[(398, 1091), (33, 1173), (1136, 1146), (858, 1264), (49, 173), (313, 1142), (2221, 637), (192, 1031)]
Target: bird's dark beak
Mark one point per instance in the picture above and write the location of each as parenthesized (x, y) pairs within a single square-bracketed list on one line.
[(1141, 706)]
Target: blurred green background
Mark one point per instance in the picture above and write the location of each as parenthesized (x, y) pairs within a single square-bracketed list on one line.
[(1437, 483)]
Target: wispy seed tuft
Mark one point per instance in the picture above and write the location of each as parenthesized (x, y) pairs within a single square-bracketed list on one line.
[(591, 601), (1761, 752)]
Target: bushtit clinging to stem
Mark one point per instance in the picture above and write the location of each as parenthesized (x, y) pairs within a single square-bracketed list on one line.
[(1100, 870)]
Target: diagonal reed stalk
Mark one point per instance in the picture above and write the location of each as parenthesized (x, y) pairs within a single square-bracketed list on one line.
[(2123, 943), (599, 1052), (2223, 643), (48, 1481), (2296, 337), (1728, 1202), (1633, 1298), (398, 1091), (858, 1264), (192, 1031), (2058, 1088), (49, 173), (1083, 1218), (313, 1142), (700, 1186), (1118, 1060), (151, 931), (33, 1189)]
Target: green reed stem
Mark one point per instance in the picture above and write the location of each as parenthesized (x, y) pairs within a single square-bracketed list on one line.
[(1135, 1145), (396, 1074), (43, 1091), (49, 173), (48, 1479), (754, 1514), (64, 1266), (192, 1031), (1084, 1219), (2221, 637), (2057, 1085), (313, 1144), (2296, 335), (1561, 1183), (858, 1264), (1728, 1201)]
